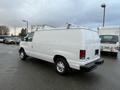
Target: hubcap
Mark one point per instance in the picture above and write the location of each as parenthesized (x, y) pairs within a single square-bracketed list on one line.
[(21, 55), (60, 67)]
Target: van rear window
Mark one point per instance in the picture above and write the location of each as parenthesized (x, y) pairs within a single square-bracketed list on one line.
[(109, 39)]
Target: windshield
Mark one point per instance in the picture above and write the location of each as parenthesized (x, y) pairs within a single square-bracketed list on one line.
[(1, 37), (109, 39)]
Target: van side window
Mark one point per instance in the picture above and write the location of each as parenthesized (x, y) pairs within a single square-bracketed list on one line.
[(30, 37)]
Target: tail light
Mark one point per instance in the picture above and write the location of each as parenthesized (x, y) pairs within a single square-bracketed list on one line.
[(82, 54), (96, 52)]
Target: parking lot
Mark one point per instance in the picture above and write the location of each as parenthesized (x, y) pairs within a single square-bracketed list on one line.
[(34, 74)]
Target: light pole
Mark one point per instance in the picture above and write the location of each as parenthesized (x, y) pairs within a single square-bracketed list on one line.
[(15, 30), (103, 6), (26, 24)]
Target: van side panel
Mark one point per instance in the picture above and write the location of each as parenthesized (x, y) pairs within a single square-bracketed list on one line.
[(62, 42), (67, 43)]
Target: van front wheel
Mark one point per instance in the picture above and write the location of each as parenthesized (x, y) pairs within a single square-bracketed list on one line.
[(22, 55), (61, 66)]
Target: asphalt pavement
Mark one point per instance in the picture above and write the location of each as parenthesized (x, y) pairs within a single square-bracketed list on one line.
[(35, 74)]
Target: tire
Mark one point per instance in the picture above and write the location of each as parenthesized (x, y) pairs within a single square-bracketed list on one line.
[(12, 42), (116, 54), (22, 55), (62, 66)]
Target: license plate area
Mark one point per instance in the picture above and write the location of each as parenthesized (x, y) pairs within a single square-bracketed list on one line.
[(106, 48)]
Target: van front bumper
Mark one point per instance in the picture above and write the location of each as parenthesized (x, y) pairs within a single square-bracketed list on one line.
[(91, 66)]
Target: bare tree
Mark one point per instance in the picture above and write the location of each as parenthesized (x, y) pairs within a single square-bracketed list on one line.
[(4, 30)]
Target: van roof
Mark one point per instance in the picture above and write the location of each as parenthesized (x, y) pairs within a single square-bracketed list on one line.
[(64, 28)]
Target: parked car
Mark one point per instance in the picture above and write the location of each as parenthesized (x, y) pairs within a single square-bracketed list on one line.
[(2, 38), (17, 40), (9, 40), (77, 48)]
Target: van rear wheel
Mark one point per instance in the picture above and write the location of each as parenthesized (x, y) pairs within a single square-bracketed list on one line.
[(22, 54), (62, 66), (116, 54)]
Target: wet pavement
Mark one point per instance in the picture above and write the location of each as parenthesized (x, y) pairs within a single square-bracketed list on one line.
[(34, 74)]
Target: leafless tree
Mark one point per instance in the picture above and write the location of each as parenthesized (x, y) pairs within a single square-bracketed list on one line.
[(4, 30)]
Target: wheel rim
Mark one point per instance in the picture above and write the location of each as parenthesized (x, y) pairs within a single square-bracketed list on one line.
[(21, 55), (60, 67)]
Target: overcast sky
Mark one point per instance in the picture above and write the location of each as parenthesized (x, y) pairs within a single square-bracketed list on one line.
[(58, 12)]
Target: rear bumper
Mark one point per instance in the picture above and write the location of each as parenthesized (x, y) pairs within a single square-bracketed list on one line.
[(1, 41), (92, 65), (107, 50), (99, 62)]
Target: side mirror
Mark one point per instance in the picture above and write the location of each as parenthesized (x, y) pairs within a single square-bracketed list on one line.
[(25, 38)]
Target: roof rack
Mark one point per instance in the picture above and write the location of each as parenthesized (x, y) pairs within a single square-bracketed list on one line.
[(49, 27)]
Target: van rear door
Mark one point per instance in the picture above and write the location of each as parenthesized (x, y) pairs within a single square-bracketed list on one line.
[(92, 44)]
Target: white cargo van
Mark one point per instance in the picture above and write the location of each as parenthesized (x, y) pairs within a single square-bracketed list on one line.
[(77, 48), (110, 39)]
